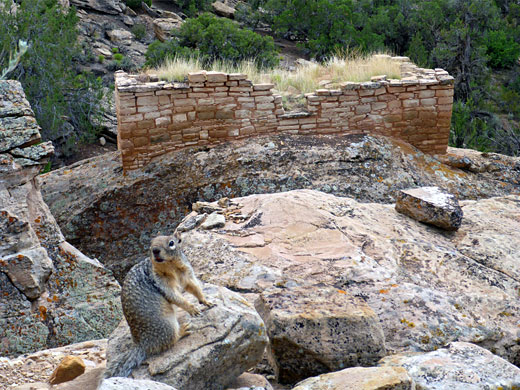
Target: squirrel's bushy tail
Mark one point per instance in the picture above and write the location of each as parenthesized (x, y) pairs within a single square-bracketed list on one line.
[(126, 363)]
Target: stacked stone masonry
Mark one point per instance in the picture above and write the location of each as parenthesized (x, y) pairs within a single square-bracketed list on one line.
[(156, 117)]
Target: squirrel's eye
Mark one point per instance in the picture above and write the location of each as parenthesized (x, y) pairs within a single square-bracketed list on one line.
[(172, 244)]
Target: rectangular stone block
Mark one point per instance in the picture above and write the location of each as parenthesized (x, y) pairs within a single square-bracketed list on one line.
[(428, 93), (148, 100), (216, 77), (163, 121), (183, 102), (445, 100), (444, 92), (263, 87), (204, 115), (363, 109), (131, 118), (179, 118), (197, 77), (410, 103), (427, 102)]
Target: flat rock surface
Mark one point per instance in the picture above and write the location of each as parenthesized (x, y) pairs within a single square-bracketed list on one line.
[(459, 366), (360, 378), (427, 287), (113, 216), (226, 340)]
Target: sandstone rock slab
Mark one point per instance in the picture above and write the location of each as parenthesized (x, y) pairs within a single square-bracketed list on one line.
[(428, 288), (317, 329), (120, 36), (222, 9), (250, 381), (430, 205), (164, 27), (226, 340), (360, 378), (214, 220), (459, 366)]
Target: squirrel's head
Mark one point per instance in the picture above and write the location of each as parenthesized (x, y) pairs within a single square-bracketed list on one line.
[(165, 250)]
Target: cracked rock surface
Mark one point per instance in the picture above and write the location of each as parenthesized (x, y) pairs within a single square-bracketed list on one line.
[(113, 216), (52, 294), (426, 286)]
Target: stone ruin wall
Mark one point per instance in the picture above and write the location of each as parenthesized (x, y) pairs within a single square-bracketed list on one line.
[(156, 117)]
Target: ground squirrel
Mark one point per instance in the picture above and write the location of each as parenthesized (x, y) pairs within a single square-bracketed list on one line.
[(151, 292)]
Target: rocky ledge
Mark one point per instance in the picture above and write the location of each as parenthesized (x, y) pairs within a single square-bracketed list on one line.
[(422, 286), (113, 216), (52, 294)]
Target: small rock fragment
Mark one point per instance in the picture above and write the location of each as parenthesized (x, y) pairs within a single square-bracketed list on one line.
[(69, 368), (190, 222), (430, 205), (214, 220), (250, 381)]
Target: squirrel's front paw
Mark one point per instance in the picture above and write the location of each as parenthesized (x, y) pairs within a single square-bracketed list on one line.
[(207, 303), (193, 311)]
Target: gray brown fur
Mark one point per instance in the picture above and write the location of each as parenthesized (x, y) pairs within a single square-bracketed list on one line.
[(151, 292)]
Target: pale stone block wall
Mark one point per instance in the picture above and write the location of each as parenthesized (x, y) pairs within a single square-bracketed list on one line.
[(155, 117)]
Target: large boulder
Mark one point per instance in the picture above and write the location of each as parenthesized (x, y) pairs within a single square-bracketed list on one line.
[(113, 216), (318, 329), (227, 339), (52, 294), (360, 378), (427, 287), (458, 366)]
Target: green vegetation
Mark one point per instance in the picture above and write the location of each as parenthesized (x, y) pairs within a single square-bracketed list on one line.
[(212, 39), (66, 103), (136, 4), (472, 39), (139, 31)]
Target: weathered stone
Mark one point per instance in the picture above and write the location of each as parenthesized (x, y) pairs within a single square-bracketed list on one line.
[(132, 384), (165, 27), (68, 369), (18, 131), (459, 366), (28, 271), (35, 152), (430, 205), (54, 295), (226, 340), (106, 6), (424, 286), (120, 36), (377, 168), (12, 100), (191, 223), (213, 221), (224, 10), (360, 378), (250, 381), (317, 329)]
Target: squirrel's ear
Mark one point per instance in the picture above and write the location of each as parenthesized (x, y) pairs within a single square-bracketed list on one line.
[(177, 235)]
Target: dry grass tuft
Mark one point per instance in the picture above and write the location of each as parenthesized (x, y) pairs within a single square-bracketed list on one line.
[(306, 78)]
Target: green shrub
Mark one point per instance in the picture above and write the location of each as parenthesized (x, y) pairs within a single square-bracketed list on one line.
[(212, 39), (502, 50), (48, 70), (101, 58), (118, 57), (115, 50), (136, 4), (139, 31), (158, 52)]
